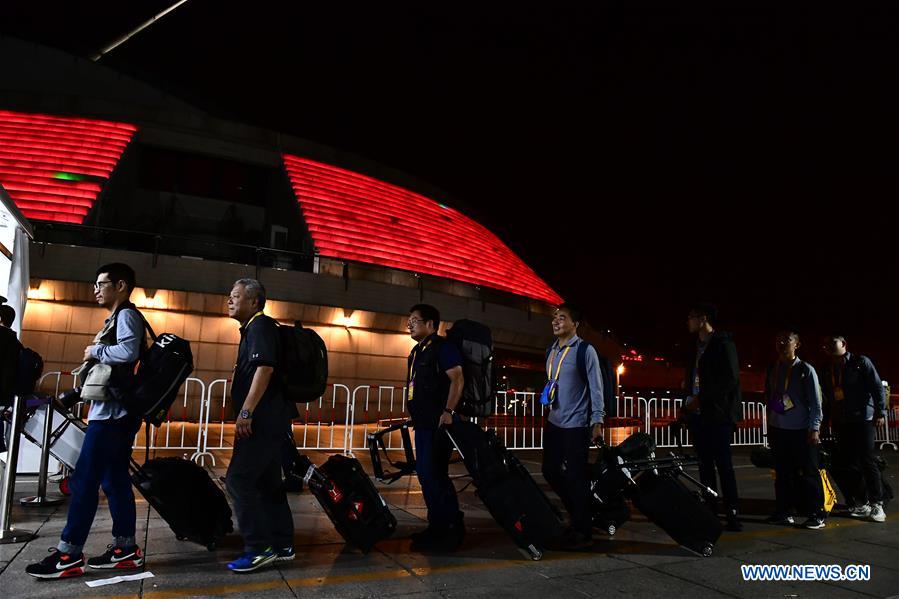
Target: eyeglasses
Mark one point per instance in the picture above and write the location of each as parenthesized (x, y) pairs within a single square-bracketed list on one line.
[(99, 284), (414, 322)]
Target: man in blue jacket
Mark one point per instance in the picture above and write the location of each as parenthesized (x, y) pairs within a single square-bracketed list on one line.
[(575, 420), (793, 399), (855, 404)]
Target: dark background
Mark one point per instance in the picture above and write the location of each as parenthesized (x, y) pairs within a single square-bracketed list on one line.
[(638, 156)]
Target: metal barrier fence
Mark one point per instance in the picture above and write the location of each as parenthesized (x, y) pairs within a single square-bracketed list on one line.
[(342, 418)]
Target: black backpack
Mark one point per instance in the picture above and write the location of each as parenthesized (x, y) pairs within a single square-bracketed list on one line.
[(30, 369), (609, 401), (475, 342), (304, 363), (162, 369)]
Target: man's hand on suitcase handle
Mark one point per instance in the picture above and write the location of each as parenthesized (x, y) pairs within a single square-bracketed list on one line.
[(596, 434)]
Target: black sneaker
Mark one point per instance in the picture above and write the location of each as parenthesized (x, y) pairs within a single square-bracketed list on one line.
[(285, 554), (814, 523), (451, 539), (57, 565), (780, 519), (118, 558)]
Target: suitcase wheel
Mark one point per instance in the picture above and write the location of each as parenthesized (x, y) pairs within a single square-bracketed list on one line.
[(181, 537), (64, 487), (211, 546), (707, 550)]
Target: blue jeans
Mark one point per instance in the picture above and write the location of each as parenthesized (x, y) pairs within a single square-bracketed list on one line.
[(432, 455), (103, 461)]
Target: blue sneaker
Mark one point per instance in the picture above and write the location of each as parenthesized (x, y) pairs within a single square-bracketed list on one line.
[(285, 554), (252, 560)]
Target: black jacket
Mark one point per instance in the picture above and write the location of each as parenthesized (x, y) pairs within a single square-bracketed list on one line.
[(9, 362), (720, 399), (864, 395), (431, 384)]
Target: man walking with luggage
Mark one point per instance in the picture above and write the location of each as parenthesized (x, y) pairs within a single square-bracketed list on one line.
[(263, 416), (855, 403), (434, 384), (574, 395), (793, 399), (106, 451), (713, 385)]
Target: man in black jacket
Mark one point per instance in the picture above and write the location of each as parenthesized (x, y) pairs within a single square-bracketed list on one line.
[(855, 404), (713, 387)]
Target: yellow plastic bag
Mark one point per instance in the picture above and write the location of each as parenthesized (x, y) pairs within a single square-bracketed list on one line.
[(830, 496)]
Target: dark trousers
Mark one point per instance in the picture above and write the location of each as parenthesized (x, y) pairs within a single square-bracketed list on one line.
[(797, 482), (856, 451), (432, 455), (103, 461), (254, 480), (569, 447), (713, 450)]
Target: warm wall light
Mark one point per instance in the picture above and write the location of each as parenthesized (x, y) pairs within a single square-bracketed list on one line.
[(149, 298), (620, 369), (40, 290), (347, 319)]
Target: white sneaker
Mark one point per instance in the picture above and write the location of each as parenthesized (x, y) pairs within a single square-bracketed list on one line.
[(862, 511), (877, 514)]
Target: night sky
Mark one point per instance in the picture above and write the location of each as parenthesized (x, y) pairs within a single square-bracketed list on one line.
[(639, 157)]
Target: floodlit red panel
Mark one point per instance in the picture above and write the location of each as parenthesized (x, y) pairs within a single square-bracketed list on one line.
[(53, 166), (358, 218)]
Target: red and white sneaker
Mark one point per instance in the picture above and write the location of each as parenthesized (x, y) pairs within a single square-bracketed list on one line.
[(57, 565), (118, 558)]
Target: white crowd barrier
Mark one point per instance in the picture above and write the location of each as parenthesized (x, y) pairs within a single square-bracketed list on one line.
[(340, 421)]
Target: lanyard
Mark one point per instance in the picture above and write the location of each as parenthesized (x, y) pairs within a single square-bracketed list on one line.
[(415, 355), (559, 367), (786, 381), (249, 322), (837, 380)]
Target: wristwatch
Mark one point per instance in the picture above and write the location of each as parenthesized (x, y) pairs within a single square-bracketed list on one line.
[(246, 414), (450, 412)]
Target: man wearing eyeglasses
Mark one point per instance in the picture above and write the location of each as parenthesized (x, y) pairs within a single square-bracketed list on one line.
[(574, 396), (106, 451), (793, 399), (434, 386)]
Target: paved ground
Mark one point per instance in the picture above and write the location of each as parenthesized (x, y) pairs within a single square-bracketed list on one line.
[(640, 561)]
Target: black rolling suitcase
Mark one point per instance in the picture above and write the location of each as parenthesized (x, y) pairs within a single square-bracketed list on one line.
[(507, 489), (675, 509), (186, 498), (608, 504), (352, 502)]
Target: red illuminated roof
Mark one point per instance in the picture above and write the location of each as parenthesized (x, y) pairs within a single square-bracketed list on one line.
[(53, 167), (358, 218)]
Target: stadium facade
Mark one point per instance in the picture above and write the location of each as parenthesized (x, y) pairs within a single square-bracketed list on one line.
[(107, 168)]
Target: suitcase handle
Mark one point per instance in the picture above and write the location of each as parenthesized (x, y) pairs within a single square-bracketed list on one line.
[(376, 446)]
